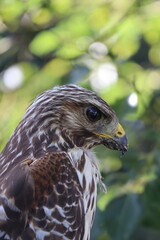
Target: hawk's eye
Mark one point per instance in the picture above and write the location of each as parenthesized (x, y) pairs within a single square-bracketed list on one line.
[(93, 114)]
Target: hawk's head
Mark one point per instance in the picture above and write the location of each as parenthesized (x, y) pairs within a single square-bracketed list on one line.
[(73, 117)]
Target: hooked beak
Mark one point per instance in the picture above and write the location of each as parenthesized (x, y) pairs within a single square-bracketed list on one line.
[(117, 142)]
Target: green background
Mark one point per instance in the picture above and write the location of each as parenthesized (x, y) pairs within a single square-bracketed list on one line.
[(113, 48)]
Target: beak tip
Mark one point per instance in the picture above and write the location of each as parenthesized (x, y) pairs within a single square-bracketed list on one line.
[(125, 148), (122, 143), (123, 140)]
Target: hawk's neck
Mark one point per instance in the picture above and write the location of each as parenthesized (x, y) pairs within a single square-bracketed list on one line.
[(32, 144)]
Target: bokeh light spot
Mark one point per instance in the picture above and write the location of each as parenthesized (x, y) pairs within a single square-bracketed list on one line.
[(98, 50), (104, 76), (133, 100), (13, 78)]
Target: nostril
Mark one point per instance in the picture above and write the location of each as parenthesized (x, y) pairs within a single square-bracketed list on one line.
[(120, 133)]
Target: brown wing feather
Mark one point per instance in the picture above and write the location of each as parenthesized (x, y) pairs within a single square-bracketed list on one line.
[(46, 194)]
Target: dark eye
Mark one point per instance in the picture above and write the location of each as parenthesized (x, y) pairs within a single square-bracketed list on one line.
[(93, 114)]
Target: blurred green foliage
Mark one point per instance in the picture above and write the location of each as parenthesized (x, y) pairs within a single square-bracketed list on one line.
[(113, 48)]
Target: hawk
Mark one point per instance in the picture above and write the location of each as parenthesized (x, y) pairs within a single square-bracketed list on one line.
[(48, 173)]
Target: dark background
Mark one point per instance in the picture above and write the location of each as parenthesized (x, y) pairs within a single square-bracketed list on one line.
[(113, 48)]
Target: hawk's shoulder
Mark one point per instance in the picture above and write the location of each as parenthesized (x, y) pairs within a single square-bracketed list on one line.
[(48, 187)]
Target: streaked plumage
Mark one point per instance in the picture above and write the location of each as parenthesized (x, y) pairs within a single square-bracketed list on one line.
[(48, 173)]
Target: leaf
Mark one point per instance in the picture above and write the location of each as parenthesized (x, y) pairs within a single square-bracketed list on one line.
[(43, 43), (119, 219), (122, 215)]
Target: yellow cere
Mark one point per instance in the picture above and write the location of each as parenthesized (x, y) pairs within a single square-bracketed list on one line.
[(120, 131)]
